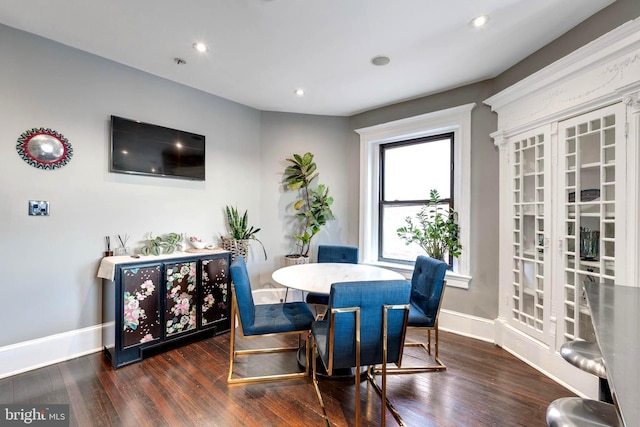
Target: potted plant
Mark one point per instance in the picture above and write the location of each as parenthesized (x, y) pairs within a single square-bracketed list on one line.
[(241, 233), (436, 231), (313, 207), (166, 244)]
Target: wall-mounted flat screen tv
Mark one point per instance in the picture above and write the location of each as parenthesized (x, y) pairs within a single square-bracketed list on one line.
[(146, 149)]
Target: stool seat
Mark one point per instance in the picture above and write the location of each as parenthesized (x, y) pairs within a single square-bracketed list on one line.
[(578, 412), (585, 355)]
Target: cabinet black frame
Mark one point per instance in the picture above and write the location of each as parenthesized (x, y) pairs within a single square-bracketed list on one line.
[(113, 313)]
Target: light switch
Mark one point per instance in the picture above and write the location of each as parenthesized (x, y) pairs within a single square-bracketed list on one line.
[(38, 207)]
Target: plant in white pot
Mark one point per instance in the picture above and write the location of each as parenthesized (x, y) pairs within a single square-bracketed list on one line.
[(313, 207), (437, 230), (241, 234)]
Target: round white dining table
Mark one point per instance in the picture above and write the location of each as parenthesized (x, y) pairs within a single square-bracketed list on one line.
[(318, 277)]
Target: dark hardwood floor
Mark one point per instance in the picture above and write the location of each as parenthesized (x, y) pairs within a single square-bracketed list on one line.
[(482, 386)]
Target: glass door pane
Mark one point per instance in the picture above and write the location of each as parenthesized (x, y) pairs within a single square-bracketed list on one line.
[(528, 286), (588, 147)]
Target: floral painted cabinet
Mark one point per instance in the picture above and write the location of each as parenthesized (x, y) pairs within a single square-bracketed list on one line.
[(140, 305), (181, 297), (153, 304), (215, 292)]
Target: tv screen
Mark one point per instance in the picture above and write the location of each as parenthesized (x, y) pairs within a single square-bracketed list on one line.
[(145, 149)]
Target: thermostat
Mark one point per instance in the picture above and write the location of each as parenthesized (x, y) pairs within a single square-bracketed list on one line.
[(38, 207)]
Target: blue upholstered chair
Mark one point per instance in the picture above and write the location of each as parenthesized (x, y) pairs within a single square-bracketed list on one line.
[(427, 288), (352, 334), (262, 320), (333, 253)]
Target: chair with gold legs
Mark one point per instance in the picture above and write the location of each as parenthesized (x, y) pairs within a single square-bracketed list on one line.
[(263, 320), (427, 288), (365, 325)]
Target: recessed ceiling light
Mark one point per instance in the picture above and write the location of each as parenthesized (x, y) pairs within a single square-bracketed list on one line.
[(380, 60), (299, 92), (200, 47), (479, 21)]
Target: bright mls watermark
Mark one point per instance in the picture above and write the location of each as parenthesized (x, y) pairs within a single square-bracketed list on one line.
[(34, 415)]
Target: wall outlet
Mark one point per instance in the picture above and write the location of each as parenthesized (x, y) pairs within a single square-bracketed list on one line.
[(38, 207)]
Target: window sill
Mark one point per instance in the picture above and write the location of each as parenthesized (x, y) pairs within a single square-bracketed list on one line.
[(454, 280)]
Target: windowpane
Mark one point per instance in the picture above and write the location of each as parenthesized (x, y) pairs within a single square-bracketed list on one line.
[(411, 171), (393, 217), (393, 247)]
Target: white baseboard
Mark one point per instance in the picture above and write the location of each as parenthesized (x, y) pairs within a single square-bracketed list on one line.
[(40, 352), (533, 353), (466, 325), (546, 360), (37, 353)]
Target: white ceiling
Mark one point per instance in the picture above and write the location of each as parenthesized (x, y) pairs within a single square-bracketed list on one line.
[(260, 51)]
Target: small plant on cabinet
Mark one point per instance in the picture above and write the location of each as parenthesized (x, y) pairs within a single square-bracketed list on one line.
[(166, 244), (241, 232)]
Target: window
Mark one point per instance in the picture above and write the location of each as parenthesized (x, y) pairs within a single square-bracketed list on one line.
[(409, 170), (387, 137)]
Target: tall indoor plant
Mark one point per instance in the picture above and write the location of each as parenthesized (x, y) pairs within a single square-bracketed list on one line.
[(313, 207), (241, 233), (437, 231)]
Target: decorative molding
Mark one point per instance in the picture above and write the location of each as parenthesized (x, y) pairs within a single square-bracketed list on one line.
[(499, 140), (603, 74), (584, 80), (37, 353), (633, 102)]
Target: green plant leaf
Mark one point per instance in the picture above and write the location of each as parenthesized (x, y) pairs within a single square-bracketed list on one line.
[(295, 185), (437, 231), (312, 209)]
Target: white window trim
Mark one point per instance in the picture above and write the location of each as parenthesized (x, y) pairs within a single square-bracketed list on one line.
[(456, 120)]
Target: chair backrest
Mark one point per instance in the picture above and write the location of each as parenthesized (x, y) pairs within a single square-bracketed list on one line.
[(336, 253), (427, 285), (243, 295), (370, 296)]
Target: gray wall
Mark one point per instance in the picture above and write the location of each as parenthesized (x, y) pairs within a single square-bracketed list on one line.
[(49, 264), (481, 299), (282, 135), (48, 283), (597, 25)]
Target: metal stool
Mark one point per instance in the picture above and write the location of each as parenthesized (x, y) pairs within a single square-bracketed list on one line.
[(578, 412), (586, 355)]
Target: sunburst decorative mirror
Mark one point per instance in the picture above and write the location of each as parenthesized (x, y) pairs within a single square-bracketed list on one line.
[(44, 148)]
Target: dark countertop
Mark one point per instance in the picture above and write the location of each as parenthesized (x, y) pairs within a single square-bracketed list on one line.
[(615, 312)]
